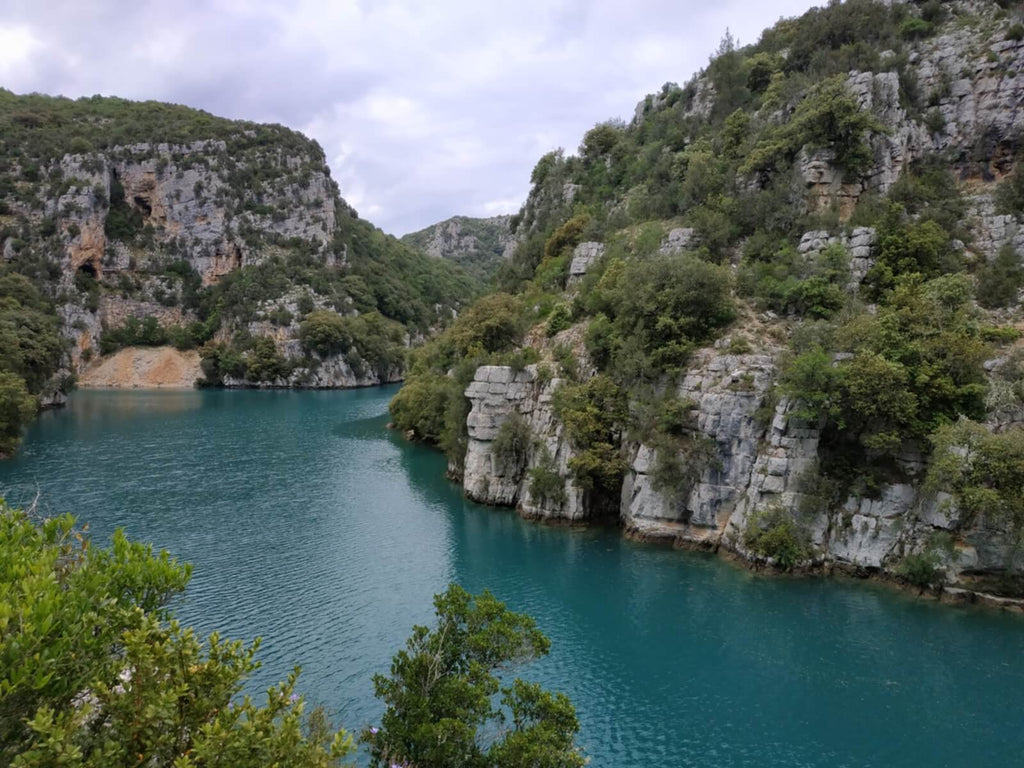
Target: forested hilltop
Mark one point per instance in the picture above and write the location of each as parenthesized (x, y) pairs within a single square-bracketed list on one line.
[(480, 246), (146, 224), (778, 312)]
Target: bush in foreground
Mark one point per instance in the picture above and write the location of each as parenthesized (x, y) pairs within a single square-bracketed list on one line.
[(94, 671)]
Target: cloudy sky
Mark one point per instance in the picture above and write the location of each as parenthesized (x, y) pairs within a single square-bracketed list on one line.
[(425, 109)]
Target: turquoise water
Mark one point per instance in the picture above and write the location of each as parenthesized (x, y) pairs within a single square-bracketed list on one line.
[(311, 525)]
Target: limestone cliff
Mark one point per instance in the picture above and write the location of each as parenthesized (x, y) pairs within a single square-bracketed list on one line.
[(207, 233), (953, 98)]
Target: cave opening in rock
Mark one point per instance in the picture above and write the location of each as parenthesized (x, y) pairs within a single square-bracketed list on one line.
[(88, 270), (143, 204)]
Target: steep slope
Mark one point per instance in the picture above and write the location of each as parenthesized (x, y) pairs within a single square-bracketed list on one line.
[(148, 224), (777, 313), (480, 246)]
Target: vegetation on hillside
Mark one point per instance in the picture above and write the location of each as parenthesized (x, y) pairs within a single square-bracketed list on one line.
[(882, 364), (30, 353), (480, 249)]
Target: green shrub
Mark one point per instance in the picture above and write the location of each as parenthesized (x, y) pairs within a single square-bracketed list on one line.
[(593, 413), (1015, 32), (146, 332), (325, 333), (829, 117), (123, 222), (421, 404), (559, 319), (915, 28), (369, 342), (29, 343), (493, 324), (663, 307), (1009, 196), (792, 282), (264, 363), (17, 407), (1000, 280), (912, 366), (983, 471), (441, 692), (920, 568), (908, 247), (546, 484), (512, 443), (773, 533)]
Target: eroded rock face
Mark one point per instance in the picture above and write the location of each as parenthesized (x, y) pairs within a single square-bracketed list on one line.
[(496, 393), (460, 236), (583, 258), (184, 203), (185, 193), (680, 239), (859, 243), (759, 457), (726, 391)]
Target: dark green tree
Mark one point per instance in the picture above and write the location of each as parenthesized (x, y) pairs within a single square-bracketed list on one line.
[(440, 694)]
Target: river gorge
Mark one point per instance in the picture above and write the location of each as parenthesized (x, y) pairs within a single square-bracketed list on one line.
[(310, 524)]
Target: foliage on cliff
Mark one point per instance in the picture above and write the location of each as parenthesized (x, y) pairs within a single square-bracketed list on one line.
[(30, 351), (984, 473), (431, 405), (95, 671)]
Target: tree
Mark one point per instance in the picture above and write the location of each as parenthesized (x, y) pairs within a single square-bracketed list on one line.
[(96, 673), (983, 471), (829, 117), (17, 407), (909, 368), (325, 333), (264, 362), (440, 694)]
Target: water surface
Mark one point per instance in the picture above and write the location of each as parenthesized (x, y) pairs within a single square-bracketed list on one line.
[(312, 526)]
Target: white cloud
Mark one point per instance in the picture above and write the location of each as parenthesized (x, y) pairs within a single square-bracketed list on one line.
[(17, 44), (424, 110)]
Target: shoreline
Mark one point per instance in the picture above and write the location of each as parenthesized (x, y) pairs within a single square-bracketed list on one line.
[(953, 595)]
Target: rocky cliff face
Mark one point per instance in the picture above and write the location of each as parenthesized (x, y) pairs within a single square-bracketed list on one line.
[(761, 455), (480, 246), (222, 235), (182, 200)]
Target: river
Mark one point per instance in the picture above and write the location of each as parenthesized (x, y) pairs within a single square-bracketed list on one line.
[(311, 525)]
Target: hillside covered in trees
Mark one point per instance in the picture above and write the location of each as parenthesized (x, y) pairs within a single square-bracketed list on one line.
[(776, 312), (140, 223), (480, 246)]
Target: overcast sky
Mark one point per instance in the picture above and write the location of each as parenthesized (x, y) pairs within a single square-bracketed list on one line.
[(425, 109)]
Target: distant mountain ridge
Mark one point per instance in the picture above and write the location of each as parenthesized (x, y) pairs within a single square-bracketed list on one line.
[(480, 246)]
